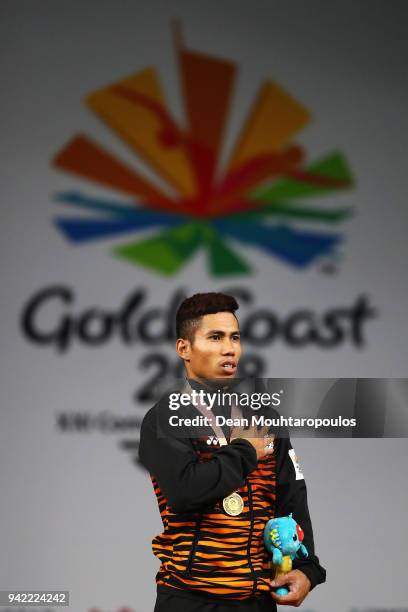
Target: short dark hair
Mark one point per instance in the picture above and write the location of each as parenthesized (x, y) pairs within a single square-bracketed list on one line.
[(192, 309)]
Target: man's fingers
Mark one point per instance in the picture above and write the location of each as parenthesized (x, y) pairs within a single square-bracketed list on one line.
[(280, 580), (252, 432), (261, 444), (288, 578), (263, 432), (297, 584), (291, 599), (238, 432)]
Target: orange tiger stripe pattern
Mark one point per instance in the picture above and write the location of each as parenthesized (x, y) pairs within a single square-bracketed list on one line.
[(215, 554)]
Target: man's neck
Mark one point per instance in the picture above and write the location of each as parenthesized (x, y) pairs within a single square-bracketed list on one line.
[(213, 384)]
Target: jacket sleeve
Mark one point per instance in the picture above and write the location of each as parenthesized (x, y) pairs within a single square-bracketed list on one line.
[(187, 483), (292, 498)]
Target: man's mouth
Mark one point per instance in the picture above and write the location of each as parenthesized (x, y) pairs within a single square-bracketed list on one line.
[(229, 366)]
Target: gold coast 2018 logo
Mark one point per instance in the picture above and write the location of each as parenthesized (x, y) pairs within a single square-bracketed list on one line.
[(255, 200)]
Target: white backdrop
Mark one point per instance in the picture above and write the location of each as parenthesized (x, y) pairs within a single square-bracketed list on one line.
[(77, 513)]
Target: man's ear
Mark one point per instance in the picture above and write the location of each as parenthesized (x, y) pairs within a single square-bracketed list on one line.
[(183, 348)]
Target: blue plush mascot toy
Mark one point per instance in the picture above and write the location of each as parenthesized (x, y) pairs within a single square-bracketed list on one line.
[(283, 540)]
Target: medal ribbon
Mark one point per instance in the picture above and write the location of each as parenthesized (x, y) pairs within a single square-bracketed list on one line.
[(205, 411)]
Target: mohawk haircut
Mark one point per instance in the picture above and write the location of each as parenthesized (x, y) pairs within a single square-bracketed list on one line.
[(192, 309)]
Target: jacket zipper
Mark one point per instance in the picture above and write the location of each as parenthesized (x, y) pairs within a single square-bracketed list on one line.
[(193, 545), (251, 529)]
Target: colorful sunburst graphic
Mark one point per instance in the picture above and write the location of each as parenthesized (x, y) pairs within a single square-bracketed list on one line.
[(256, 200)]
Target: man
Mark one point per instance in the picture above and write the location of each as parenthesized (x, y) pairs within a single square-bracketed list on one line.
[(215, 499)]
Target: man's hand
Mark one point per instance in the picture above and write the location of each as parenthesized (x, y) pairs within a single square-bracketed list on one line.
[(298, 585), (258, 438)]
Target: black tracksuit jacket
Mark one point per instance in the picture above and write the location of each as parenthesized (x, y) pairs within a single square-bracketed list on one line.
[(205, 553)]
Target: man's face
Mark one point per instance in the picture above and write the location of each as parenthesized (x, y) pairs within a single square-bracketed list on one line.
[(216, 349)]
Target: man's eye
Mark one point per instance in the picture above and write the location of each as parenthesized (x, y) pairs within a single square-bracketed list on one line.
[(238, 338), (215, 337)]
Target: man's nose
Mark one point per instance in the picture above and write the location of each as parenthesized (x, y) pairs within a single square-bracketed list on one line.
[(228, 347)]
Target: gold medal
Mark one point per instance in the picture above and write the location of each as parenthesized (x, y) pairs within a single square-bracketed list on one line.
[(233, 504)]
